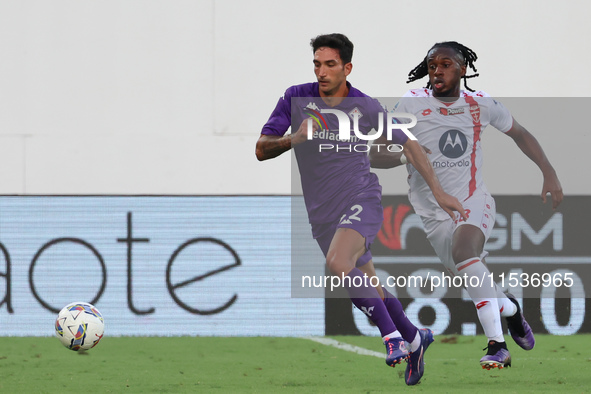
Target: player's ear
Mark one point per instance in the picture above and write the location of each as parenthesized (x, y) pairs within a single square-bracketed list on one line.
[(348, 68), (463, 70)]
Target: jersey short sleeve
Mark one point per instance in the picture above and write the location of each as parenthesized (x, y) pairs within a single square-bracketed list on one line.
[(280, 119), (500, 117)]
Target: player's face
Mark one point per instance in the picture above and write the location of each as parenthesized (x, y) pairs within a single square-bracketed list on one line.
[(330, 72), (446, 68)]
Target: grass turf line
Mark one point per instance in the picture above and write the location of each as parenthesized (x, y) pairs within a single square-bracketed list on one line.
[(290, 365)]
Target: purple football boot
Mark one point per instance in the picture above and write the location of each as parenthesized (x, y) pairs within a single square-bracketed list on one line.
[(396, 351), (416, 362), (497, 356), (519, 329)]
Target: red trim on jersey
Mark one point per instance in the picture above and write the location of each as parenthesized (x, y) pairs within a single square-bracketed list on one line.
[(469, 263), (502, 309), (481, 304), (477, 129)]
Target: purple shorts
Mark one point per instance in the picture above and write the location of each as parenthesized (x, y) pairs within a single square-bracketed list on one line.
[(363, 215)]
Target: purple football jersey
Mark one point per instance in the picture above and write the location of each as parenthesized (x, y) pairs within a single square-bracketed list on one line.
[(333, 172)]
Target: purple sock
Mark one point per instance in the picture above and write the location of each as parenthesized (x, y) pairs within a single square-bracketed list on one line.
[(367, 299), (394, 307)]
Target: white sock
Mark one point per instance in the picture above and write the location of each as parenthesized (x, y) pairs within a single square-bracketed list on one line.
[(414, 345), (506, 307), (395, 334), (484, 295), (490, 319)]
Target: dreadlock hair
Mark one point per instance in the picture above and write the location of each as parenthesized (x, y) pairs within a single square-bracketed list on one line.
[(468, 55)]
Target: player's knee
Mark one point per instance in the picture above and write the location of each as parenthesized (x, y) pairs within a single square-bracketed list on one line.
[(461, 254), (336, 264)]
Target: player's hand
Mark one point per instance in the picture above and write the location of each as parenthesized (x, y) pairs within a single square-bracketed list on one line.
[(552, 186), (450, 204), (301, 135)]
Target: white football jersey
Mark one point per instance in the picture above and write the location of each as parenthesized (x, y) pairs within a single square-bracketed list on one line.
[(453, 133)]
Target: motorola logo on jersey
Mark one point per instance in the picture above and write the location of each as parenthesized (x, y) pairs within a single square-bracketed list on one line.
[(453, 144)]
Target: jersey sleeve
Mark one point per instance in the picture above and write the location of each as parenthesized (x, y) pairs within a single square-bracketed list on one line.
[(500, 117), (280, 120), (377, 110), (399, 136), (409, 93)]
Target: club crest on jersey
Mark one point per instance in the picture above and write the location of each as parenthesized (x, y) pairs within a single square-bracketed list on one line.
[(355, 113), (451, 111), (475, 112)]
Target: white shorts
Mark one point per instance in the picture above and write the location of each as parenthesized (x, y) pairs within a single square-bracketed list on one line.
[(481, 211)]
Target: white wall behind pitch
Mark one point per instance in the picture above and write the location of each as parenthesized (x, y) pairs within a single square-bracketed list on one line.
[(159, 97)]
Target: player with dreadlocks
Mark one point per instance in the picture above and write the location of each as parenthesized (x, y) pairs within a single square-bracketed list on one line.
[(468, 58), (450, 126)]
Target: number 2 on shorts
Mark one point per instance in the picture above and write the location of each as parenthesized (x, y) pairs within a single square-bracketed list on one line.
[(354, 216)]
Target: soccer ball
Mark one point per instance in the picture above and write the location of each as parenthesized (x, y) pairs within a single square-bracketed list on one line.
[(79, 326)]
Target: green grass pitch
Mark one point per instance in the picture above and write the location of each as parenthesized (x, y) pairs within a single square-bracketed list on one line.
[(284, 365)]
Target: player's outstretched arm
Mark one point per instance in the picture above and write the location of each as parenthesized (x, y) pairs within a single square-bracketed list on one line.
[(381, 157), (418, 158), (532, 149), (270, 146)]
